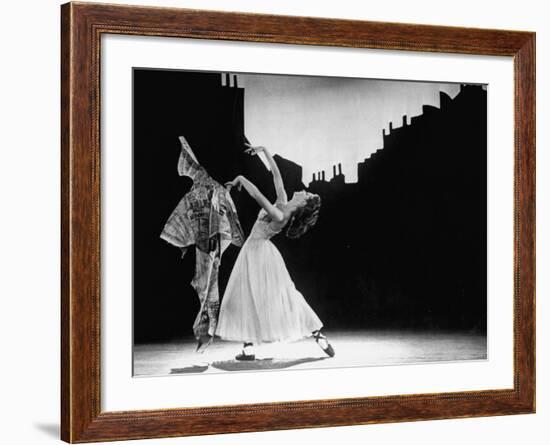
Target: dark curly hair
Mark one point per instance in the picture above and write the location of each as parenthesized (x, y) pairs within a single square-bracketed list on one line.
[(304, 217)]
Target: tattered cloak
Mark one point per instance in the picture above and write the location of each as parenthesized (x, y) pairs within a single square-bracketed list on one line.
[(207, 219)]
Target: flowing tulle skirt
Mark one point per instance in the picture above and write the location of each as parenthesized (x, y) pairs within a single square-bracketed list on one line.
[(261, 303)]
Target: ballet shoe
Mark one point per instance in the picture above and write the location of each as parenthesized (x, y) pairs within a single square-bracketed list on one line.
[(323, 343), (247, 353), (245, 357)]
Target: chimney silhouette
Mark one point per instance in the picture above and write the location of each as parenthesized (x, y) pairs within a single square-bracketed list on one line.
[(339, 168), (391, 127), (235, 84), (323, 174), (314, 177), (334, 170), (227, 80), (404, 120)]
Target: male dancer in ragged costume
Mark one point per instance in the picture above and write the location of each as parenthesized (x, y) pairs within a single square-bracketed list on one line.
[(205, 217)]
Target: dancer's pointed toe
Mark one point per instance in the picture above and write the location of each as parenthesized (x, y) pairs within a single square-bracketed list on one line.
[(329, 350)]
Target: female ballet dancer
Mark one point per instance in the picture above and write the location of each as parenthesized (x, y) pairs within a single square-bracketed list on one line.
[(261, 303)]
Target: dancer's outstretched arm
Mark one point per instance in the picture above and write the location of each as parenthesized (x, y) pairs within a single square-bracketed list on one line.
[(272, 210), (277, 178)]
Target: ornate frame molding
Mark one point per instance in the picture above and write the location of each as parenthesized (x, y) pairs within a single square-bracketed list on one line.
[(82, 25)]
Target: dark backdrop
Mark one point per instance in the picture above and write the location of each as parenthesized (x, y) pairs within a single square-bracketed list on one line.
[(404, 247)]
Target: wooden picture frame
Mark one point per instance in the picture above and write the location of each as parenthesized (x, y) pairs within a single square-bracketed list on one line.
[(82, 25)]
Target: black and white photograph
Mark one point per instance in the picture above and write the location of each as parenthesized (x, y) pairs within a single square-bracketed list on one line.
[(285, 222)]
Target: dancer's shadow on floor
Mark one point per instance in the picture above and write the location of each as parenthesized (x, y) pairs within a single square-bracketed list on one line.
[(193, 369), (254, 365), (263, 364)]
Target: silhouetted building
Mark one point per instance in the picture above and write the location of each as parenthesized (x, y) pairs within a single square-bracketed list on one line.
[(410, 235)]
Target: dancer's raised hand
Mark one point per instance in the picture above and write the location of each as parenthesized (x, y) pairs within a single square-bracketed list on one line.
[(235, 183), (254, 150)]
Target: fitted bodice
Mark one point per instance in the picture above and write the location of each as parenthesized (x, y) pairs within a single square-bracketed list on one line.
[(262, 228)]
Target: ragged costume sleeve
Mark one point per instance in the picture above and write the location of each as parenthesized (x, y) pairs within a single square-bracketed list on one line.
[(206, 211)]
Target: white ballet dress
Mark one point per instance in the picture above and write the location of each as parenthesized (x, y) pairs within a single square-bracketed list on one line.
[(261, 303)]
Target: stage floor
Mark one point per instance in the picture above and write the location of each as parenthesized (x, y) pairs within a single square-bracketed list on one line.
[(357, 348)]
